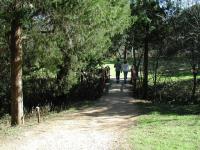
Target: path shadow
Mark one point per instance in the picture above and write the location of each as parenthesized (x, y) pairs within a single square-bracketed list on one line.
[(166, 109), (117, 102)]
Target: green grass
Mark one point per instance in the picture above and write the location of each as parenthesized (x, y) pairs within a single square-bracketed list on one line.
[(167, 79), (167, 128)]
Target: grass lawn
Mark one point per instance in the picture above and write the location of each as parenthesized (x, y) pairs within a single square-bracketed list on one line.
[(167, 128)]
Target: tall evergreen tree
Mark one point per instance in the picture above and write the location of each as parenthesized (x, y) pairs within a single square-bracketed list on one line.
[(149, 16)]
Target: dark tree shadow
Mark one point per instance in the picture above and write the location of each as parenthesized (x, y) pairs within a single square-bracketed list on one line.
[(166, 109)]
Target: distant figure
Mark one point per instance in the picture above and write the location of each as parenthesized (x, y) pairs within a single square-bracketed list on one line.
[(118, 68), (125, 69)]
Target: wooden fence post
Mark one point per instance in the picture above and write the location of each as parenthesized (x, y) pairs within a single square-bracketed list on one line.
[(38, 113)]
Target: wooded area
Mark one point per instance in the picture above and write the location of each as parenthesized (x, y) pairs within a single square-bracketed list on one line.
[(52, 52)]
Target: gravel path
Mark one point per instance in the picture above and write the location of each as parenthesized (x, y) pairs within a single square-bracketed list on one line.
[(100, 127)]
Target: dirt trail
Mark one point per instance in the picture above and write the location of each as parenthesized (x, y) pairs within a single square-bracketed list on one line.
[(100, 127)]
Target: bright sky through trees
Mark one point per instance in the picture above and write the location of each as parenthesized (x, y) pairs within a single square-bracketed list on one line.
[(183, 3)]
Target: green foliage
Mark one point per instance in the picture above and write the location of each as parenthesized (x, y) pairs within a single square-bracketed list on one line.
[(4, 82), (187, 30), (148, 14), (61, 39), (174, 81)]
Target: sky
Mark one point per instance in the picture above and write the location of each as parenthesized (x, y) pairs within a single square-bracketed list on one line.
[(181, 3), (184, 3)]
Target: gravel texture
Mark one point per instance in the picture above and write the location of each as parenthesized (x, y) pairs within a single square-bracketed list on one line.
[(99, 127)]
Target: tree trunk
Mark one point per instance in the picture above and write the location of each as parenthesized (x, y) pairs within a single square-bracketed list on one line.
[(145, 65), (16, 73), (63, 71), (194, 71), (155, 72), (194, 85), (125, 54), (136, 64), (194, 81), (155, 77)]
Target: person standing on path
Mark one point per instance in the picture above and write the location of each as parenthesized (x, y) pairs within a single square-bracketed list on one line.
[(118, 68), (125, 69)]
